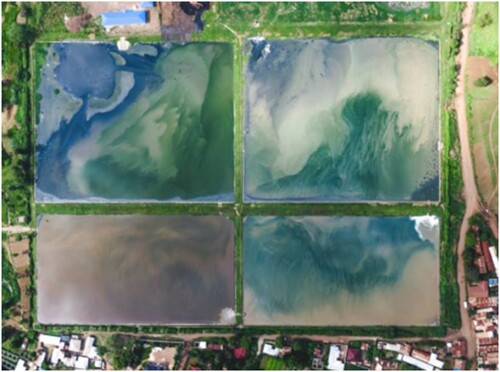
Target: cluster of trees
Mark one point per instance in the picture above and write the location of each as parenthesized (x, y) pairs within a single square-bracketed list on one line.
[(454, 206), (469, 255), (218, 360), (124, 351)]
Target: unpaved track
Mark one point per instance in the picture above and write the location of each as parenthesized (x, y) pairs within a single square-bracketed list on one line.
[(470, 190)]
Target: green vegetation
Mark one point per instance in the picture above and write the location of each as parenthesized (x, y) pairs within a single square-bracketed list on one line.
[(469, 255), (483, 82), (451, 174), (274, 364), (484, 35), (125, 352), (11, 293), (482, 102), (226, 358), (17, 172), (255, 14)]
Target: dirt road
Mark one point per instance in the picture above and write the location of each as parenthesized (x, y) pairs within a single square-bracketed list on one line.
[(18, 229), (470, 191)]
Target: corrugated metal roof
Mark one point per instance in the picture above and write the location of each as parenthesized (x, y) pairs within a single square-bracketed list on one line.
[(127, 17)]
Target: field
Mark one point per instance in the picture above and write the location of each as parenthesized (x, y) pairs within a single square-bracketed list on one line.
[(482, 99), (484, 35)]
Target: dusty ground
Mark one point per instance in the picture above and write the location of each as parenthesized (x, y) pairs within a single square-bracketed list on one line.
[(19, 251), (484, 129), (19, 255), (24, 282), (166, 356), (95, 8), (175, 24), (470, 191), (8, 120)]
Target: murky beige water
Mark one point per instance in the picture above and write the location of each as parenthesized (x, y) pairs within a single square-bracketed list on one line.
[(135, 269)]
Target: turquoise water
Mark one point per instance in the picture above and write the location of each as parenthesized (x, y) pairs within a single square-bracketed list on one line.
[(153, 123), (342, 121), (341, 270)]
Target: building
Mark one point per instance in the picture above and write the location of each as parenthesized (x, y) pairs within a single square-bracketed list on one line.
[(354, 356), (82, 363), (47, 340), (202, 345), (415, 362), (89, 344), (271, 350), (240, 353), (493, 254), (40, 359), (75, 344), (485, 247), (335, 362), (124, 18), (459, 349), (215, 347), (395, 348), (478, 290), (21, 365)]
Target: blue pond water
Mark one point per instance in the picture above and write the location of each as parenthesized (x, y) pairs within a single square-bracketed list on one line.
[(154, 123)]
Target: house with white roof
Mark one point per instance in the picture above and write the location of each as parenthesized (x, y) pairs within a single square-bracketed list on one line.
[(334, 361)]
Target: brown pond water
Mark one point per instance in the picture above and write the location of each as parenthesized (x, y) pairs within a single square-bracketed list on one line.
[(135, 269)]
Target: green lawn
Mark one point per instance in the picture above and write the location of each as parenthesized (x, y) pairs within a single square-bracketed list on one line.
[(484, 36), (297, 12), (274, 364)]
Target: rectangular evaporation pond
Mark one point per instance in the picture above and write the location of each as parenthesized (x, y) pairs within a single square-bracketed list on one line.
[(356, 120), (153, 123), (341, 271), (135, 269)]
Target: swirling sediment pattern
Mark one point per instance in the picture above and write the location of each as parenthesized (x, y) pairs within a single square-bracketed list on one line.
[(342, 121), (341, 270), (155, 123)]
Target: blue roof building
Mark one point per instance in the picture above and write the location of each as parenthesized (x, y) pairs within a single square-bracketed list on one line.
[(493, 282), (123, 18), (147, 4)]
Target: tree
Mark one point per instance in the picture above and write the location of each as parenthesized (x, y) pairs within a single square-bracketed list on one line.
[(279, 342), (21, 34), (470, 239), (485, 20), (483, 82)]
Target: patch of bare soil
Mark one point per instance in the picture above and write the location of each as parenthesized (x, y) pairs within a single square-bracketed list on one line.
[(20, 252), (477, 67), (96, 8), (8, 120), (24, 282)]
